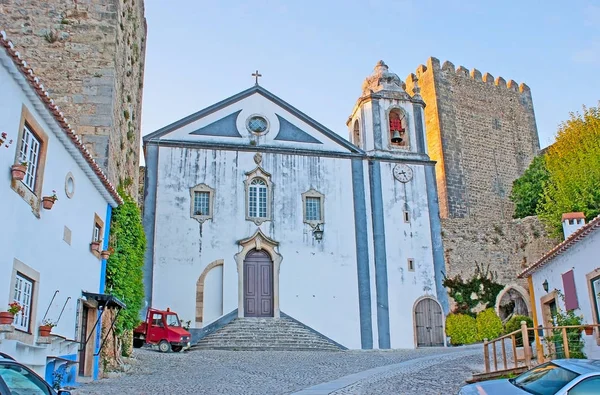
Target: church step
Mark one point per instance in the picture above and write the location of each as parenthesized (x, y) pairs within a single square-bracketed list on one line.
[(276, 334)]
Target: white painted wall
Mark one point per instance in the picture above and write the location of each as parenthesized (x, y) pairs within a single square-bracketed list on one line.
[(38, 242), (582, 258), (213, 295)]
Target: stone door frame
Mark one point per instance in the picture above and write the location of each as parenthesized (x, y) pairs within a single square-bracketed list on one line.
[(258, 241)]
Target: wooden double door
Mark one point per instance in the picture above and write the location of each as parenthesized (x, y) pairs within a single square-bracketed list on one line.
[(429, 323), (258, 284)]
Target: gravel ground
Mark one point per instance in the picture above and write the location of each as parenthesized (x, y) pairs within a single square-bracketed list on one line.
[(283, 372)]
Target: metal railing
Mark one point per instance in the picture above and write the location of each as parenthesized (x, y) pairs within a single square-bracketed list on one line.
[(527, 357)]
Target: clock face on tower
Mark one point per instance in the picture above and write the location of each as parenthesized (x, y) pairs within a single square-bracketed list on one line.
[(402, 173)]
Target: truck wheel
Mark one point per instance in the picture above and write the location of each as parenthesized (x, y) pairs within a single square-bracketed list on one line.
[(176, 348), (164, 346), (138, 343)]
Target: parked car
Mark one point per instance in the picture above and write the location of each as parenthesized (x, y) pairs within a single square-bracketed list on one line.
[(557, 377), (18, 379)]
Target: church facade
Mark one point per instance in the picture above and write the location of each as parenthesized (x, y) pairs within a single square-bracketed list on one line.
[(254, 208)]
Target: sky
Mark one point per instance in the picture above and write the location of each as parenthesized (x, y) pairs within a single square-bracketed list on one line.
[(316, 54)]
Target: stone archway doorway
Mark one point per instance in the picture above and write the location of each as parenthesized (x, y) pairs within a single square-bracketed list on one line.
[(258, 284), (512, 300), (429, 323)]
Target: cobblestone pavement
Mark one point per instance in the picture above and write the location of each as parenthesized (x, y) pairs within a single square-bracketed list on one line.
[(282, 372)]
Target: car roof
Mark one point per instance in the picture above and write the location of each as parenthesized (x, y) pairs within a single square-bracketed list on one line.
[(581, 366)]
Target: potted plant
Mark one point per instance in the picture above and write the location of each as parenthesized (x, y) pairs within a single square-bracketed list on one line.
[(48, 201), (95, 245), (3, 138), (589, 330), (7, 317), (46, 327), (107, 253), (18, 171)]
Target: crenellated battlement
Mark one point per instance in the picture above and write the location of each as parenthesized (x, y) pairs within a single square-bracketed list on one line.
[(475, 75)]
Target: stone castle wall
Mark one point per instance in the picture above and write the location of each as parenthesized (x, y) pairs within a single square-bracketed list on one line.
[(482, 133), (90, 57)]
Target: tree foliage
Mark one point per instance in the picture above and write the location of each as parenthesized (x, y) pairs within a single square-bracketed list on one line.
[(461, 328), (528, 190), (573, 164), (124, 276)]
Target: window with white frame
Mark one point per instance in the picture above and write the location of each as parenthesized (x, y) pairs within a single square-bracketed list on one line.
[(30, 151), (596, 292), (257, 198), (201, 203), (23, 293), (312, 201), (97, 232)]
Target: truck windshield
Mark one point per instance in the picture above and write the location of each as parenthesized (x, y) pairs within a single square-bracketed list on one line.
[(172, 320)]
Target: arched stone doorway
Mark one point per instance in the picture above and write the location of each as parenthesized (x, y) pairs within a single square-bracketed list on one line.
[(200, 293), (512, 300), (258, 242), (429, 323), (258, 284)]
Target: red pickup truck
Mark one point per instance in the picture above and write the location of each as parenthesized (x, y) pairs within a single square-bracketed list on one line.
[(162, 328)]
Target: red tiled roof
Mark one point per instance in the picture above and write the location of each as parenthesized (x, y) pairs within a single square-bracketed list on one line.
[(578, 215), (577, 236), (58, 116)]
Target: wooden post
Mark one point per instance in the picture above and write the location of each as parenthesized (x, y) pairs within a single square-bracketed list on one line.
[(486, 355), (504, 355), (514, 347), (495, 355), (526, 345), (565, 343)]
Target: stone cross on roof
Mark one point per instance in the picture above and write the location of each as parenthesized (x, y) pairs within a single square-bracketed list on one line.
[(256, 75)]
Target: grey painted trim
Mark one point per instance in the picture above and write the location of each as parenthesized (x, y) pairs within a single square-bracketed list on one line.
[(376, 124), (381, 278), (418, 113), (200, 333), (437, 244), (290, 132), (362, 255), (224, 127), (149, 222), (313, 331), (242, 95), (380, 156)]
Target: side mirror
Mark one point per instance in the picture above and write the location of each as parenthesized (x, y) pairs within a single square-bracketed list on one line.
[(64, 392)]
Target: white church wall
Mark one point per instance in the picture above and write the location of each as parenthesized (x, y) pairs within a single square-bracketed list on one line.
[(582, 258), (317, 280), (213, 295), (36, 245), (406, 240)]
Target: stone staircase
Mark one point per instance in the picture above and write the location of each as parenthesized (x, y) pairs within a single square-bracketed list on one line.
[(267, 334)]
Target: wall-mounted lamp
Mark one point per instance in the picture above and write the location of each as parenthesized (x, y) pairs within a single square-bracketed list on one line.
[(318, 232), (545, 285)]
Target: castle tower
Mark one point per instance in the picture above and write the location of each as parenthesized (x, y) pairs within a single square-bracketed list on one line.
[(90, 57)]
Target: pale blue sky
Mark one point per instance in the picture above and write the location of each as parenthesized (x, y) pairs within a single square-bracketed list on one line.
[(315, 54)]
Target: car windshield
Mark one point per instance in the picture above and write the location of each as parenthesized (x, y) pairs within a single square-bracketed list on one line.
[(172, 320), (545, 379)]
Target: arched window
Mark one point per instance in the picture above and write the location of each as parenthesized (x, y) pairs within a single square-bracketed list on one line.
[(356, 134), (257, 198), (397, 132)]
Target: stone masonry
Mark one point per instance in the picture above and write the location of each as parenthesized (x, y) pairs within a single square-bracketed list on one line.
[(482, 133), (89, 54)]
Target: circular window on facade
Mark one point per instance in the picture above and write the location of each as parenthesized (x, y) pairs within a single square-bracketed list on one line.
[(257, 124), (69, 185)]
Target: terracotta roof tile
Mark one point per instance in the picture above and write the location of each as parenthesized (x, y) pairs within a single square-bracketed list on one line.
[(578, 215), (57, 114)]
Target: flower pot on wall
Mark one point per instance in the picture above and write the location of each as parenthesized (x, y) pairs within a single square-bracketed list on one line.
[(48, 202), (18, 172), (105, 254), (95, 246), (45, 330), (6, 318), (589, 330)]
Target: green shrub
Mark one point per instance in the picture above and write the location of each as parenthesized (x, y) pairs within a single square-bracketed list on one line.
[(461, 328), (489, 325), (514, 323)]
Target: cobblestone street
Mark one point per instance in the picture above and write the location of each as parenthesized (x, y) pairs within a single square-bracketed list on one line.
[(423, 371)]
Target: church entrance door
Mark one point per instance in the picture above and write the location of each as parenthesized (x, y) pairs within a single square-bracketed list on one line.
[(429, 323), (258, 284)]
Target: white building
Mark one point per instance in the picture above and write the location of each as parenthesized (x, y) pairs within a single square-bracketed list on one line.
[(252, 205), (46, 261), (570, 269)]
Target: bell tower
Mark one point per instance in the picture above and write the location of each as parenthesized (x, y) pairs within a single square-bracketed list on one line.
[(386, 117)]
